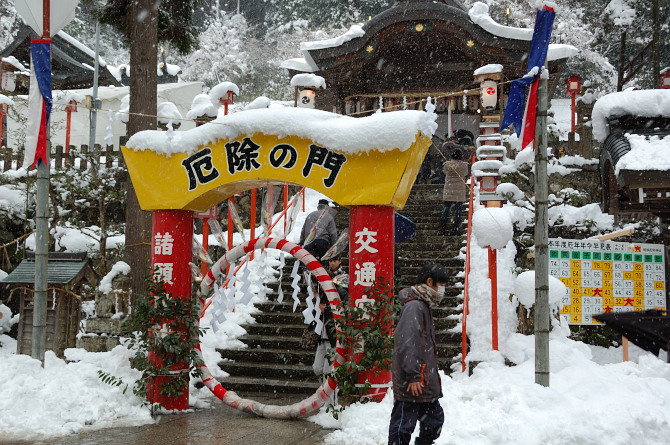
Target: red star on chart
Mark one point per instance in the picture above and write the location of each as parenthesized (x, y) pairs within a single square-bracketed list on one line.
[(597, 292), (608, 309), (628, 302)]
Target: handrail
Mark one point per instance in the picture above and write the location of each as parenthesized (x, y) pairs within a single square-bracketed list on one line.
[(281, 215), (464, 338)]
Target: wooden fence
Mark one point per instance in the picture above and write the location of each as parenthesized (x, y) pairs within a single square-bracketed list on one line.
[(77, 157)]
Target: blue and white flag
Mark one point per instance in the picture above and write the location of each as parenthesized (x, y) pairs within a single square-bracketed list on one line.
[(39, 102), (514, 113)]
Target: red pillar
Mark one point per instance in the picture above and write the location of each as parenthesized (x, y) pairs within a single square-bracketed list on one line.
[(172, 235), (252, 219), (371, 255), (285, 205), (205, 244), (493, 275), (572, 113)]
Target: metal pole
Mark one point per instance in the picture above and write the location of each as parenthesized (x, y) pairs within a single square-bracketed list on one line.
[(39, 339), (94, 105), (541, 238), (41, 259)]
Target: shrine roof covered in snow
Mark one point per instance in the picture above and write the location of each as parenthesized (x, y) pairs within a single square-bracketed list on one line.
[(634, 129), (418, 47)]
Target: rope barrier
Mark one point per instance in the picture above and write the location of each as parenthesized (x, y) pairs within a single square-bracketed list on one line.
[(5, 256), (435, 95), (53, 289)]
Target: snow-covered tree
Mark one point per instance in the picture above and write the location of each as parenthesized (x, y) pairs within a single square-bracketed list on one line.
[(224, 54)]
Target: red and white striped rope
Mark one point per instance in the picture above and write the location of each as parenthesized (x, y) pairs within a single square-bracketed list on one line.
[(311, 404)]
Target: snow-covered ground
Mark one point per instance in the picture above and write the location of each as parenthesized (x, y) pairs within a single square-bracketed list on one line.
[(593, 397)]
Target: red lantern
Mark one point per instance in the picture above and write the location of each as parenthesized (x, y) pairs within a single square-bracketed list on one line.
[(488, 183), (69, 109), (226, 100), (573, 87), (665, 79)]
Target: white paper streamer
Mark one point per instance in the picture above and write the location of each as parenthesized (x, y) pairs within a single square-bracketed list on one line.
[(263, 291), (245, 289), (294, 284), (282, 263)]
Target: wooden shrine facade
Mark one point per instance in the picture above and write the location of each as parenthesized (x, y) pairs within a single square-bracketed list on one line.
[(413, 50)]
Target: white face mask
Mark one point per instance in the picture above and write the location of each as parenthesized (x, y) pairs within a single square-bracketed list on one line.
[(440, 291)]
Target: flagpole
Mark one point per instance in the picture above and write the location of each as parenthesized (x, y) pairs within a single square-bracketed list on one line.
[(542, 313), (42, 233)]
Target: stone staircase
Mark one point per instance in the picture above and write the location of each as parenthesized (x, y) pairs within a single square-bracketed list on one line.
[(273, 361)]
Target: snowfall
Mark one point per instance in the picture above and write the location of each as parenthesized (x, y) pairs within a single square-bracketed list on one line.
[(593, 397)]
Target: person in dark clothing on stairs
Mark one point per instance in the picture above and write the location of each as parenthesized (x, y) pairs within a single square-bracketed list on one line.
[(320, 221), (416, 383), (455, 191)]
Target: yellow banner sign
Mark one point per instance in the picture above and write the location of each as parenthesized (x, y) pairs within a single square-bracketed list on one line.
[(213, 173)]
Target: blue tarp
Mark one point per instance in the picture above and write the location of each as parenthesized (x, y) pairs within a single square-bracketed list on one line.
[(404, 228)]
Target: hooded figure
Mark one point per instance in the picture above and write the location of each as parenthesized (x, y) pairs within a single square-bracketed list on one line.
[(416, 383)]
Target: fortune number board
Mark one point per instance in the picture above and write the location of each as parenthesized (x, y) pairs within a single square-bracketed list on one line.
[(607, 277)]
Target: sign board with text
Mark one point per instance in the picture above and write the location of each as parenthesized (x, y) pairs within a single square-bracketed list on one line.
[(607, 277), (199, 180)]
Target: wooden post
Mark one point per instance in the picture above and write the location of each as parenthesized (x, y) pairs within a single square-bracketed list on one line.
[(624, 342)]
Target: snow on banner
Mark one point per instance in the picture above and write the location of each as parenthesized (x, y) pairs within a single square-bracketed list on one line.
[(39, 102)]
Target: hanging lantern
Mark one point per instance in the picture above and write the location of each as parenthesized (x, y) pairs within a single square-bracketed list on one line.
[(306, 98), (488, 93)]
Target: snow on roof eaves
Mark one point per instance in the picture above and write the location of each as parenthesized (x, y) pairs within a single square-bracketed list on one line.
[(491, 68), (308, 80), (560, 51), (298, 64), (644, 103), (646, 153), (14, 62), (354, 32), (479, 14), (380, 131), (83, 48)]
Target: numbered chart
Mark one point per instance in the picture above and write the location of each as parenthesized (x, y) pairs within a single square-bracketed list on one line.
[(607, 277)]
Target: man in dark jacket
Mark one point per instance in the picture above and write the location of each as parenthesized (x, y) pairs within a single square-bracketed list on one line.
[(320, 221), (416, 383)]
